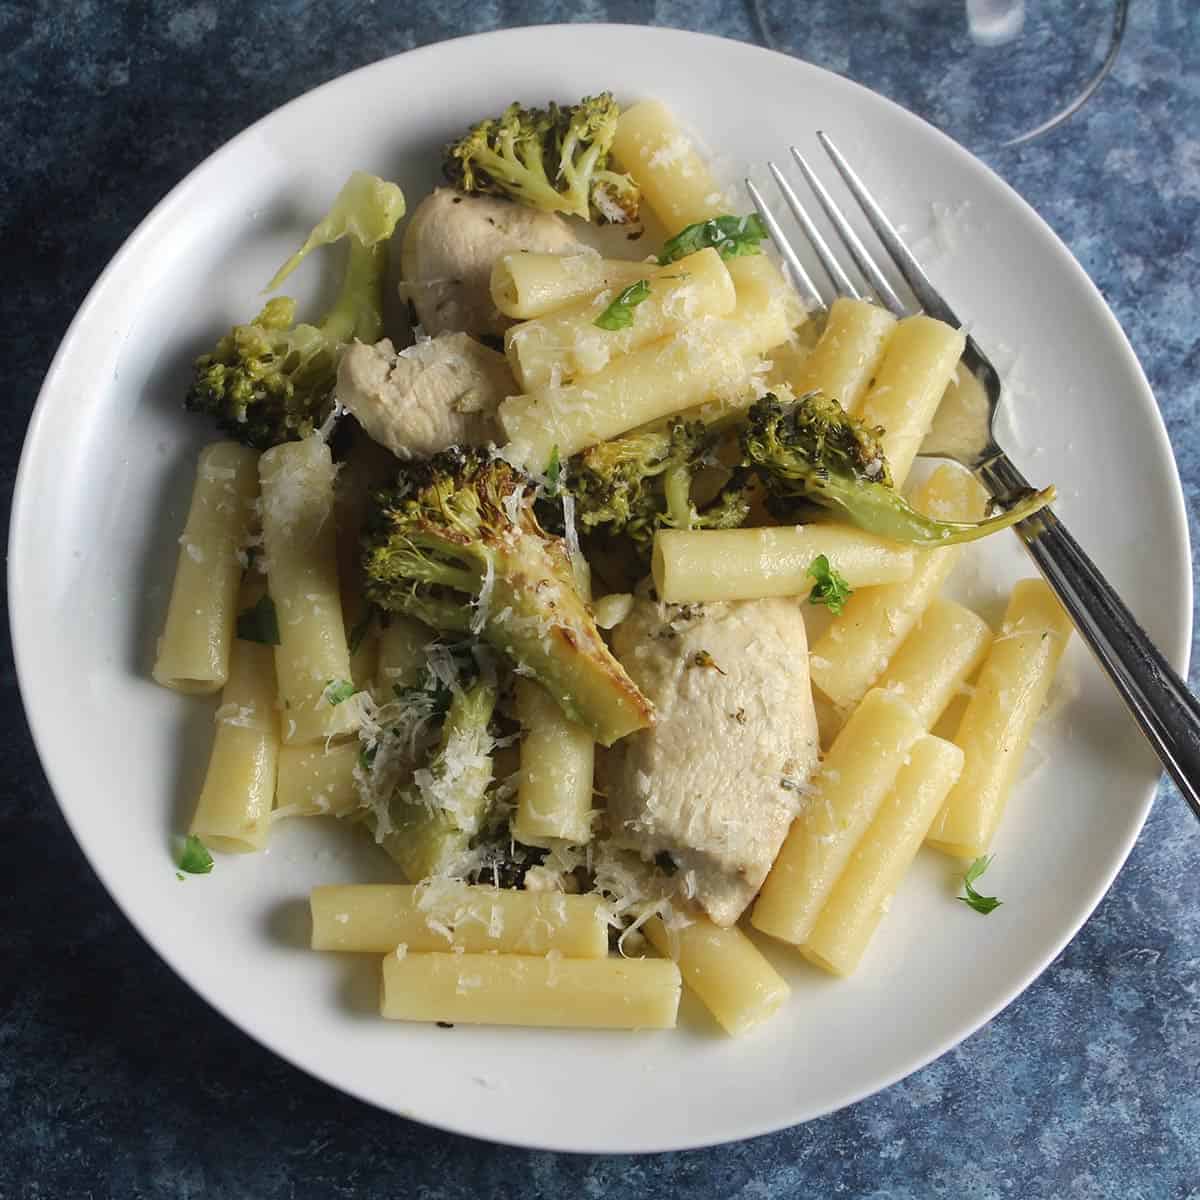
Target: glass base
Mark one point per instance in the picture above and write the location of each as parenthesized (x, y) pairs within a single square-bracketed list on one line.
[(989, 73)]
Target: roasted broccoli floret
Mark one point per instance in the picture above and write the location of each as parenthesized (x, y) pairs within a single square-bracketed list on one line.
[(641, 482), (272, 381), (456, 543), (811, 451), (550, 158)]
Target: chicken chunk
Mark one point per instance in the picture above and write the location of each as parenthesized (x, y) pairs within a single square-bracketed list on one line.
[(717, 781), (442, 392), (450, 244)]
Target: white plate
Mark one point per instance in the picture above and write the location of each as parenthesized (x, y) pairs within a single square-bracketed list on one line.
[(101, 496)]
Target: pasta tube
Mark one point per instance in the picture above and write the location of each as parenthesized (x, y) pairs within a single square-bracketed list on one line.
[(696, 566), (768, 303), (937, 658), (847, 353), (448, 915), (526, 285), (863, 892), (402, 656), (233, 812), (1000, 715), (554, 795), (193, 652), (724, 968), (568, 343), (675, 181), (918, 362), (860, 641), (315, 780), (846, 794), (711, 360), (513, 989), (298, 536)]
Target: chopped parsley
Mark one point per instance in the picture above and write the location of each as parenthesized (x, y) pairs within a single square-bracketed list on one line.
[(830, 588), (337, 690), (259, 623), (981, 904), (731, 237), (619, 314), (194, 857)]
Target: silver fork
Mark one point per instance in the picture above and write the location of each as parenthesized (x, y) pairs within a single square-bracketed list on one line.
[(1168, 714)]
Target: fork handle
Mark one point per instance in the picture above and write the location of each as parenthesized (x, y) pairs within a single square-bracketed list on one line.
[(1166, 711)]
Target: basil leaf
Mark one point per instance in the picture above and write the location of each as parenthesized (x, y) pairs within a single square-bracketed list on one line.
[(259, 623), (619, 314), (731, 237)]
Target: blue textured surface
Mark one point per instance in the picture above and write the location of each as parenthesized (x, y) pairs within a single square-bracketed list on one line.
[(116, 1081)]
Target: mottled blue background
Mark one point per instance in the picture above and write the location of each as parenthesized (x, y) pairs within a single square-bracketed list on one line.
[(116, 1081)]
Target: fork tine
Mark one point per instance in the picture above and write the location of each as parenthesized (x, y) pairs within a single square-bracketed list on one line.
[(840, 280), (927, 295), (800, 277), (853, 243)]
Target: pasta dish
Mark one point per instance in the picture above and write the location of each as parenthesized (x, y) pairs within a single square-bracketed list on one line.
[(597, 592)]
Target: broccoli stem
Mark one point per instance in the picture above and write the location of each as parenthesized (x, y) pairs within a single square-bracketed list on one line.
[(543, 625), (358, 310), (436, 611), (881, 510), (412, 561), (677, 491), (435, 821)]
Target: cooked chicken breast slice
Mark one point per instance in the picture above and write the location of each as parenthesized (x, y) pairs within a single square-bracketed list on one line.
[(450, 244), (717, 781), (442, 392)]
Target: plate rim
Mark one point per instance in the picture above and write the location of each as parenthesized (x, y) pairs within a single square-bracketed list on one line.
[(1177, 648)]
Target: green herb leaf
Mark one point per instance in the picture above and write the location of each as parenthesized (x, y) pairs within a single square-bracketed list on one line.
[(361, 628), (981, 904), (830, 588), (553, 473), (194, 858), (731, 237), (259, 623), (337, 690), (619, 314)]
